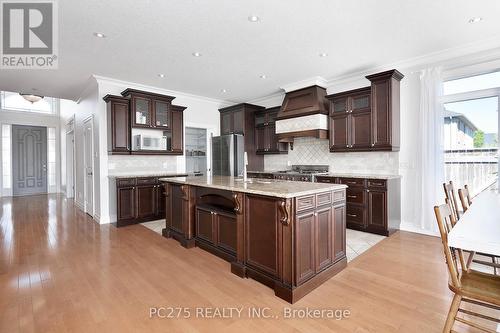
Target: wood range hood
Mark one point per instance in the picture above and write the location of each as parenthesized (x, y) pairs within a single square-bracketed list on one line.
[(304, 113)]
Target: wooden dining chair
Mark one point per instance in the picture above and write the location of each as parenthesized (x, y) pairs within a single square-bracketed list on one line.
[(464, 196), (468, 286), (465, 200), (449, 192)]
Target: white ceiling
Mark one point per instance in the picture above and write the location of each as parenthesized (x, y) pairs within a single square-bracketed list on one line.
[(148, 37)]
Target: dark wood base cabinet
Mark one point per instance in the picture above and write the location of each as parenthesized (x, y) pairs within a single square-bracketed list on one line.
[(372, 205), (291, 245), (139, 199)]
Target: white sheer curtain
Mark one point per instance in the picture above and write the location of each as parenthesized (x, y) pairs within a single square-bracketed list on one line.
[(430, 159)]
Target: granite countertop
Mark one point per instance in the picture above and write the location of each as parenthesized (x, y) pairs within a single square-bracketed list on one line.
[(153, 174), (340, 174), (267, 187), (362, 175)]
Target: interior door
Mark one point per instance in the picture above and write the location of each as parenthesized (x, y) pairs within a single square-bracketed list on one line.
[(89, 168), (29, 160)]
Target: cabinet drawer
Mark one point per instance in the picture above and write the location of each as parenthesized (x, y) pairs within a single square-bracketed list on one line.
[(305, 203), (354, 214), (355, 195), (378, 183), (352, 181), (147, 181), (322, 179), (125, 182), (338, 196), (324, 199)]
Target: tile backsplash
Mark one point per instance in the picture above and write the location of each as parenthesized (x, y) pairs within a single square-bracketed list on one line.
[(123, 164), (316, 151)]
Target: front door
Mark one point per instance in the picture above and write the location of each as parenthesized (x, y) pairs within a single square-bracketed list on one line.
[(89, 169), (29, 160)]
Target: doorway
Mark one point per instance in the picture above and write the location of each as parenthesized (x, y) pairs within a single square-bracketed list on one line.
[(29, 160), (88, 148), (196, 151)]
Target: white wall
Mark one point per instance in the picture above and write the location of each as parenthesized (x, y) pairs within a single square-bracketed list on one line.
[(201, 112)]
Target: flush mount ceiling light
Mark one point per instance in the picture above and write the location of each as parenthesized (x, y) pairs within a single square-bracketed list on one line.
[(253, 18), (99, 35), (196, 54), (323, 54), (161, 75), (31, 98), (475, 20), (263, 76), (223, 91)]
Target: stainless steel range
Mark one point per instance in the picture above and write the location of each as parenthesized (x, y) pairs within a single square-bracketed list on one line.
[(305, 173)]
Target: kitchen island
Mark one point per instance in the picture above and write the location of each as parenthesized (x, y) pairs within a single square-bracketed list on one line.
[(289, 236)]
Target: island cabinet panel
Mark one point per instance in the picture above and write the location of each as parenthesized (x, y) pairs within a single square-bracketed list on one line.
[(320, 234), (261, 234), (180, 215), (226, 232), (339, 234), (205, 225), (324, 238), (305, 225)]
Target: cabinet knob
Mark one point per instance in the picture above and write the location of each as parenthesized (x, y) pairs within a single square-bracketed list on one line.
[(373, 144)]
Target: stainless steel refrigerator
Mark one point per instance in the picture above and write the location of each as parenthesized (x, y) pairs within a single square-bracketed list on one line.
[(228, 153)]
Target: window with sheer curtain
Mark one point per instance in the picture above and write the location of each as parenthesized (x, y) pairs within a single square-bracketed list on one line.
[(471, 119)]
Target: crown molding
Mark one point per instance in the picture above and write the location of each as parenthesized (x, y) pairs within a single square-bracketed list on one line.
[(468, 54), (91, 83), (313, 81), (128, 84)]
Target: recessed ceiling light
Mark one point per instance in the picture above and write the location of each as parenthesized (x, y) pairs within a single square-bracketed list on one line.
[(263, 76), (161, 75), (196, 54), (99, 35), (475, 19), (253, 18), (223, 91), (323, 54)]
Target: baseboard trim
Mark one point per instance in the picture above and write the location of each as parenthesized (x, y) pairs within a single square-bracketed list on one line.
[(410, 227), (79, 205)]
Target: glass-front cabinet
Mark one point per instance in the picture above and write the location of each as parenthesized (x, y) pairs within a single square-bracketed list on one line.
[(141, 108), (161, 113)]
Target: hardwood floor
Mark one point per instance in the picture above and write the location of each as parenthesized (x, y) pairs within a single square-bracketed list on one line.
[(60, 272)]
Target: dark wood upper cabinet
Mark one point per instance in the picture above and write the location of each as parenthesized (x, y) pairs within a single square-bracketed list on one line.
[(339, 135), (177, 145), (350, 120), (118, 124), (386, 109), (240, 119), (161, 114), (367, 119), (142, 109), (266, 139)]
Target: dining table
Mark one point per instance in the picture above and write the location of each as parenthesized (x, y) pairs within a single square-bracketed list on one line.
[(478, 229)]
